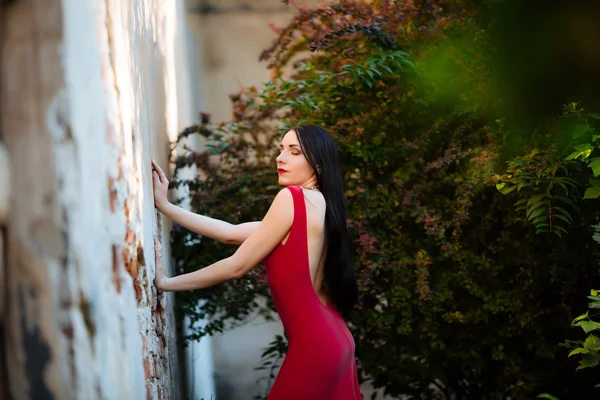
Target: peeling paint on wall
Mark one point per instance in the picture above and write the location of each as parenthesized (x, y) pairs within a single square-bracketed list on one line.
[(85, 100)]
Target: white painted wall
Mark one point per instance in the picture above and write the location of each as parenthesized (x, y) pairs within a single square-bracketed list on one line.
[(90, 91)]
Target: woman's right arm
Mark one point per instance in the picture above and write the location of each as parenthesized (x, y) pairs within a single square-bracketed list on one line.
[(213, 228)]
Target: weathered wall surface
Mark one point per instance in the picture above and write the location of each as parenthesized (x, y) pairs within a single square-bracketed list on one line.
[(88, 96)]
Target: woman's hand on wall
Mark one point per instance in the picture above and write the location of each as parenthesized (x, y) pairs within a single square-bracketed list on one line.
[(160, 278), (161, 187)]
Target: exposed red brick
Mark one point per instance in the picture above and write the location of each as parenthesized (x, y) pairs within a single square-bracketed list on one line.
[(115, 267), (147, 368), (126, 208), (149, 391), (131, 266), (126, 254), (137, 288), (112, 194), (159, 367), (144, 346), (130, 237), (140, 254)]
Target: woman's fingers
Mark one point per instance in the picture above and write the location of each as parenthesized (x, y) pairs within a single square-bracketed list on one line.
[(156, 179), (161, 174)]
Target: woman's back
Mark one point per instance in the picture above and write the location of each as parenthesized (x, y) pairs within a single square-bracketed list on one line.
[(317, 249)]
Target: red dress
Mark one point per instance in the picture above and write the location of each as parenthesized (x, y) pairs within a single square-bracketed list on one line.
[(320, 363)]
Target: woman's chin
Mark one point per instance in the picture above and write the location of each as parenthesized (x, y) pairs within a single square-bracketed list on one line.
[(283, 181)]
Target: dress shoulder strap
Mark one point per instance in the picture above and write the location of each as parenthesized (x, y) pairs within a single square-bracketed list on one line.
[(299, 222)]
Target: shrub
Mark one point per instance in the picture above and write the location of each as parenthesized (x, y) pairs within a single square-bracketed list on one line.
[(459, 297)]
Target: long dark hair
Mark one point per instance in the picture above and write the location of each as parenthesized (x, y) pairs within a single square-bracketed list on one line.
[(321, 152)]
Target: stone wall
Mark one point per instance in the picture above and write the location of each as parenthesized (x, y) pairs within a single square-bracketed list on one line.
[(88, 95)]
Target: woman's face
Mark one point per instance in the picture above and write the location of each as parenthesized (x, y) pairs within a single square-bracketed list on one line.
[(292, 166)]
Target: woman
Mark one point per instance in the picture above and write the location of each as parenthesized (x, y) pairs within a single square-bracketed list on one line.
[(305, 249)]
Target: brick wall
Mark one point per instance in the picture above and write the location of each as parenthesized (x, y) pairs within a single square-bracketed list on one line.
[(87, 97)]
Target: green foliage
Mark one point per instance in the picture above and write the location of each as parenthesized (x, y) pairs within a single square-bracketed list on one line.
[(588, 349), (548, 183), (547, 396), (459, 296), (547, 192), (586, 139)]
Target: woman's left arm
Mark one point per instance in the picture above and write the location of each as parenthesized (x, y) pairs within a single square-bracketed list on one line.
[(271, 231)]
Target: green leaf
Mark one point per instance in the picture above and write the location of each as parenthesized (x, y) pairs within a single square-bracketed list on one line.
[(594, 164), (557, 227), (583, 151), (521, 201), (567, 200), (562, 211), (591, 343), (507, 190), (534, 206), (588, 326), (562, 217), (580, 130), (535, 199), (537, 212), (592, 193), (587, 362), (579, 350), (547, 396), (568, 181), (584, 316)]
